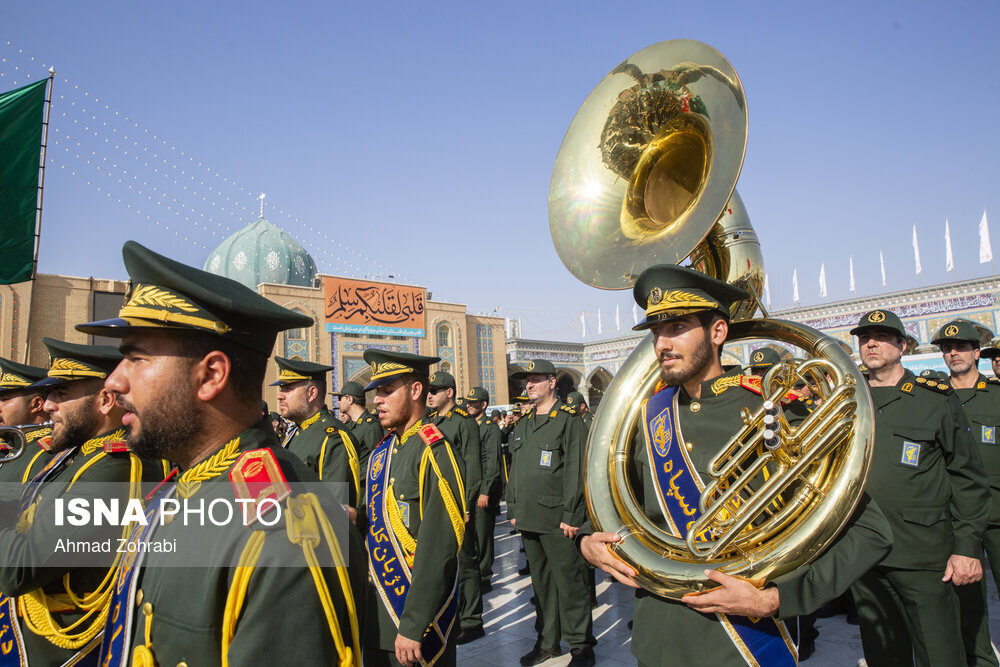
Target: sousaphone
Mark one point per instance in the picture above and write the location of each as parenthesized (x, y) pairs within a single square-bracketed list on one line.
[(646, 175)]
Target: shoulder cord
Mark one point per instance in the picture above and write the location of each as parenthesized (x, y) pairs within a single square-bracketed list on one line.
[(456, 516)]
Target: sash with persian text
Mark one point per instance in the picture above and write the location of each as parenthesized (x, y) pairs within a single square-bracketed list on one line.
[(389, 563), (764, 641)]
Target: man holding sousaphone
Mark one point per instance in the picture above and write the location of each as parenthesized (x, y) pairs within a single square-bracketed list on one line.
[(695, 408)]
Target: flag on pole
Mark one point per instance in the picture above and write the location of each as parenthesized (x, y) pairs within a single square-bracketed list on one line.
[(635, 313), (618, 319), (949, 260), (916, 251), (822, 280), (881, 261), (852, 274), (985, 249), (795, 285), (583, 324), (599, 322), (21, 117), (767, 291)]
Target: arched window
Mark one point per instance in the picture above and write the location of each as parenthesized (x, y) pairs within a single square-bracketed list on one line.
[(443, 335)]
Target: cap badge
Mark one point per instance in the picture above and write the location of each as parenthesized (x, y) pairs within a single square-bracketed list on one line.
[(531, 366), (877, 316), (951, 330), (655, 296), (433, 376), (758, 356)]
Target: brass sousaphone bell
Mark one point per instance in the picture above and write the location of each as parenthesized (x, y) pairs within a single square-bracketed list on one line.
[(646, 175)]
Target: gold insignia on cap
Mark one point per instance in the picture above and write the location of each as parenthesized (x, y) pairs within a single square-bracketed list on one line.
[(531, 366), (951, 330), (655, 295), (153, 305), (290, 376), (876, 316), (387, 368), (13, 380), (433, 376), (70, 368), (678, 300), (758, 356)]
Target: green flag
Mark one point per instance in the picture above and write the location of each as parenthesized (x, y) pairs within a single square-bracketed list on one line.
[(21, 117)]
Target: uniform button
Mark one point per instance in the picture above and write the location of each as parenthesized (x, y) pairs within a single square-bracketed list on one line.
[(695, 406), (147, 609), (392, 480), (182, 664), (138, 597), (394, 450), (689, 446), (401, 496)]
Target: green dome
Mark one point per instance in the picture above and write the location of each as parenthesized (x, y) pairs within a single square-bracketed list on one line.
[(262, 253)]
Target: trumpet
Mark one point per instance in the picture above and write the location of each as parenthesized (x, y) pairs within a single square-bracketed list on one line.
[(14, 440)]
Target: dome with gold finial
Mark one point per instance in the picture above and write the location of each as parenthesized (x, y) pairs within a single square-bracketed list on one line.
[(262, 253)]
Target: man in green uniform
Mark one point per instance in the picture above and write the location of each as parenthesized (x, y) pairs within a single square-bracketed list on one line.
[(992, 352), (576, 401), (22, 405), (980, 399), (487, 505), (927, 476), (87, 446), (462, 433), (545, 503), (320, 439), (688, 315), (416, 521), (364, 428), (196, 347)]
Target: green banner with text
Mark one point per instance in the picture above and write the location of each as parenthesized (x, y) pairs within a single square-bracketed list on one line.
[(21, 118)]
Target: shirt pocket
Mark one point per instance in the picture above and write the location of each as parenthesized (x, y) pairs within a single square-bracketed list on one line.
[(984, 427), (913, 445), (549, 456), (406, 495)]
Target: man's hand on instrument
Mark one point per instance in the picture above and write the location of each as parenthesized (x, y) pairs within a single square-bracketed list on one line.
[(962, 570), (734, 596), (407, 650), (595, 548)]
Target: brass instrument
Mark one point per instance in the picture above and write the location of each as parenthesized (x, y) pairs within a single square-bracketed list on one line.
[(15, 440), (646, 174)]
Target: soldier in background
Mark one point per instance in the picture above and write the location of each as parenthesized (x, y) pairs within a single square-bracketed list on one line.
[(992, 352), (980, 399), (22, 405), (462, 432), (488, 507), (576, 401), (364, 428)]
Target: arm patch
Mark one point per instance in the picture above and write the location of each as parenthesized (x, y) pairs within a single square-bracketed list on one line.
[(257, 476), (430, 434)]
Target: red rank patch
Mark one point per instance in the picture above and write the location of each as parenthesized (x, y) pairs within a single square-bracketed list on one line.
[(257, 476)]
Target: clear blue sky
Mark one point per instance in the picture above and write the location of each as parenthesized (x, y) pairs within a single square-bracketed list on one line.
[(422, 135)]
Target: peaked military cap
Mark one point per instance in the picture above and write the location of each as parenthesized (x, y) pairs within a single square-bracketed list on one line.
[(291, 371), (442, 379), (351, 389), (880, 319), (18, 376), (992, 350), (667, 291), (460, 402), (169, 295), (477, 394), (764, 358), (574, 399), (388, 366), (538, 366), (73, 361), (523, 396), (957, 330), (516, 410), (937, 376)]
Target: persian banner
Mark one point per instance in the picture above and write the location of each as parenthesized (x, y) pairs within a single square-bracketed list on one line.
[(365, 307)]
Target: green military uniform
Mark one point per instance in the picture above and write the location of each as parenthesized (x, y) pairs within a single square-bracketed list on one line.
[(462, 432), (16, 377), (485, 519), (927, 477), (366, 432), (667, 632), (574, 400), (544, 490), (981, 404), (427, 522), (226, 613), (38, 584), (321, 440)]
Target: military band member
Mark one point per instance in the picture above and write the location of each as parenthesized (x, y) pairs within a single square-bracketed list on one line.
[(22, 405), (545, 503), (195, 349), (487, 507), (362, 425), (462, 434), (980, 399), (320, 439), (416, 521), (688, 316), (87, 445), (927, 477)]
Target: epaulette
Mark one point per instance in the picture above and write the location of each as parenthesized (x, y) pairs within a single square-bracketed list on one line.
[(940, 387), (115, 446), (566, 408), (432, 415), (45, 442), (752, 383), (993, 380), (430, 434), (331, 429), (257, 476), (461, 412)]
